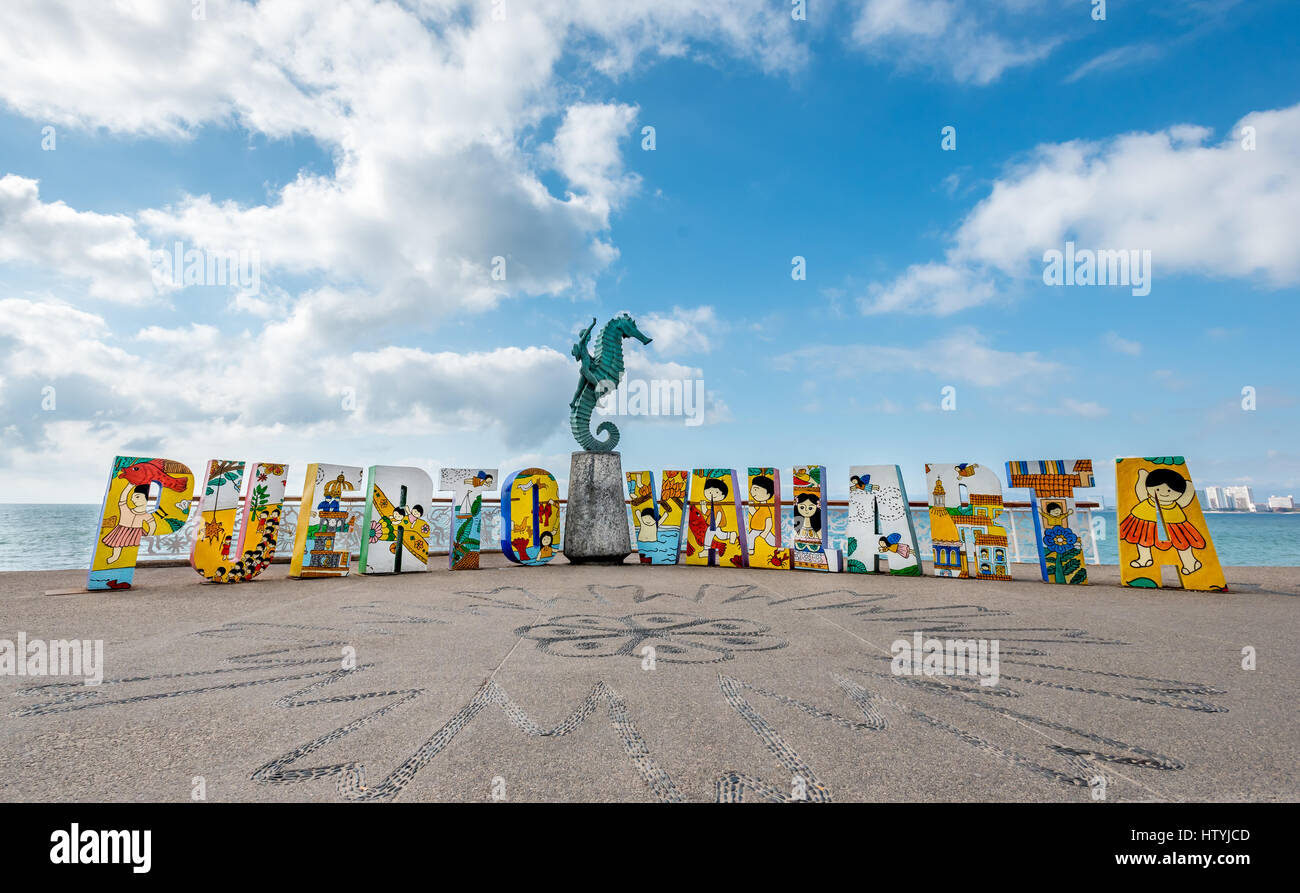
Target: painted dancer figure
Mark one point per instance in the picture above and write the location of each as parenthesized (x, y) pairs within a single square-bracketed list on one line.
[(1162, 495), (132, 521)]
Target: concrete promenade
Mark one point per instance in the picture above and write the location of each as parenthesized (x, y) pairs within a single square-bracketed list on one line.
[(533, 684)]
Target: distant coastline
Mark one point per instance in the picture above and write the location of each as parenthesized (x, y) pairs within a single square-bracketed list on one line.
[(1265, 512)]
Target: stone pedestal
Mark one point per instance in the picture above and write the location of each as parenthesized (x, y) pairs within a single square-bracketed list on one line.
[(595, 523)]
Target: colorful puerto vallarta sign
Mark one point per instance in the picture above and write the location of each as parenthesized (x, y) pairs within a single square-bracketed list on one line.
[(710, 517)]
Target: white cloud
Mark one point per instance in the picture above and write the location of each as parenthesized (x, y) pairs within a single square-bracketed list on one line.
[(641, 367), (431, 111), (1199, 208), (523, 393), (149, 68), (683, 331), (295, 391), (1122, 345), (959, 38), (935, 288), (586, 151), (194, 337), (1115, 59), (443, 125), (189, 387), (1216, 210), (103, 249), (962, 355), (1089, 409)]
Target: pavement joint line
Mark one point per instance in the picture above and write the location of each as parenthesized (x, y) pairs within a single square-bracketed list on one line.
[(1116, 772), (853, 634), (536, 618)]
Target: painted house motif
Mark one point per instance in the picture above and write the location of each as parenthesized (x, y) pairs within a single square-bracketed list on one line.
[(1050, 478), (949, 550), (988, 539), (966, 537)]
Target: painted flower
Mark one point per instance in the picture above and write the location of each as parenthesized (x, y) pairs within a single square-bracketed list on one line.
[(1060, 539)]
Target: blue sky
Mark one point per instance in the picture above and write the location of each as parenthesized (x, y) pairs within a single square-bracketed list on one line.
[(377, 156)]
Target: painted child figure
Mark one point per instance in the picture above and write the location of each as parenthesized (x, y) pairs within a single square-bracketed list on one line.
[(807, 519), (647, 527), (133, 521), (545, 550), (1163, 495), (893, 543), (715, 494), (1054, 514), (761, 522)]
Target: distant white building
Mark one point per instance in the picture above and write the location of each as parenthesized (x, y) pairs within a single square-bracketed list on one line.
[(1214, 499), (1238, 499), (1285, 503)]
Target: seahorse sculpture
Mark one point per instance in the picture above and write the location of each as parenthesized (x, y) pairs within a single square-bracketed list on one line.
[(600, 374)]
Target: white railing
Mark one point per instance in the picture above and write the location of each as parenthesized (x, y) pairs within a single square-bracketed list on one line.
[(1017, 518)]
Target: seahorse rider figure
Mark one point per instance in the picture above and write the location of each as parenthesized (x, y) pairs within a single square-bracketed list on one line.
[(605, 365), (586, 365)]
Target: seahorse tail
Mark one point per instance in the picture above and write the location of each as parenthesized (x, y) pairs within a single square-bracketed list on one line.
[(609, 436), (579, 424)]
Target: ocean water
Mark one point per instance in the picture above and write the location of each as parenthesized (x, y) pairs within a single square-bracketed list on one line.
[(50, 537), (46, 537), (1254, 539), (1244, 539)]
